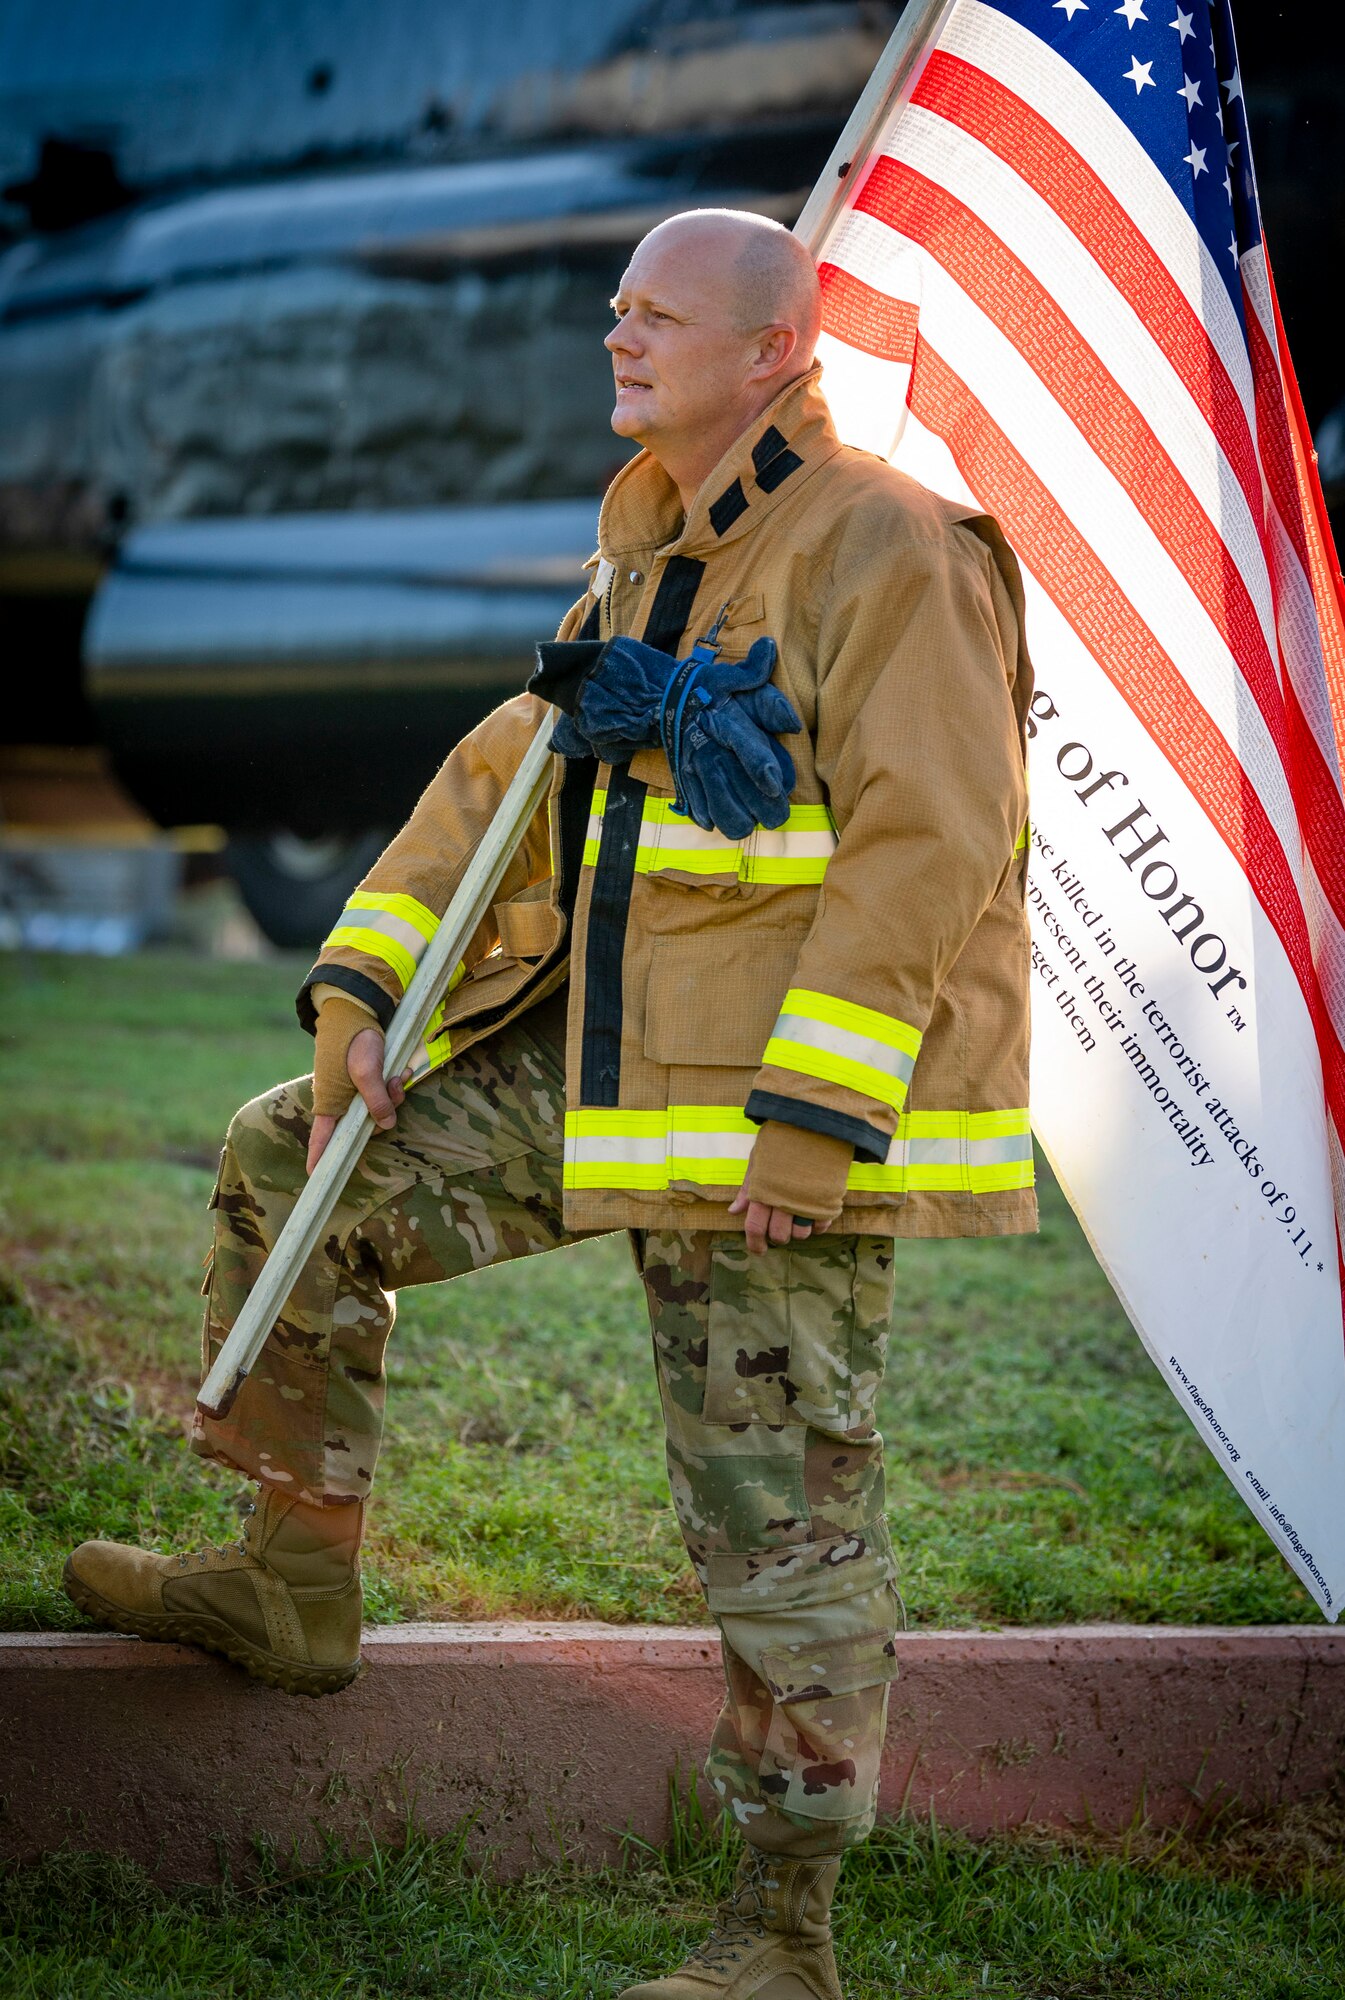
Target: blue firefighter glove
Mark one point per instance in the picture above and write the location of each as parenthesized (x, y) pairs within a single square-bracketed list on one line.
[(716, 721), (720, 722), (566, 740), (620, 703)]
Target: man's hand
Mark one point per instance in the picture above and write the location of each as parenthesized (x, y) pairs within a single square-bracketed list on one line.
[(791, 1170), (767, 1225), (364, 1061)]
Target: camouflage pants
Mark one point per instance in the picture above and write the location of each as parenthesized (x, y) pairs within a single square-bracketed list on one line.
[(767, 1370)]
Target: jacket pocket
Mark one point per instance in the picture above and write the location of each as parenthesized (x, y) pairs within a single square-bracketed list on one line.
[(712, 1000)]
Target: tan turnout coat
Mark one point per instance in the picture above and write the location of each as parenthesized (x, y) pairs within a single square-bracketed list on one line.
[(862, 971)]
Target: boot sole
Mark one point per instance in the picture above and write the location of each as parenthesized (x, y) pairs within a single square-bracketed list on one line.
[(213, 1636)]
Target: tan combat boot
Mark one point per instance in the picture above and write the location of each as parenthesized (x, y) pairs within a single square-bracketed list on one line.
[(771, 1939), (284, 1602)]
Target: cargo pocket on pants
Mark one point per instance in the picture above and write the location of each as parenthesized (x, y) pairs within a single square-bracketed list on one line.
[(748, 1335), (824, 1745), (842, 1312)]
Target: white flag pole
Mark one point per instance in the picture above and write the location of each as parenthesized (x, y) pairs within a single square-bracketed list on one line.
[(895, 76), (312, 1211)]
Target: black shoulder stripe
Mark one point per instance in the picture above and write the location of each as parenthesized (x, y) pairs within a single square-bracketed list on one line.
[(768, 446), (731, 503), (773, 459)]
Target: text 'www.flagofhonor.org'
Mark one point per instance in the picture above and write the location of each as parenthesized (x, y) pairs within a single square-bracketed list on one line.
[(1285, 1526)]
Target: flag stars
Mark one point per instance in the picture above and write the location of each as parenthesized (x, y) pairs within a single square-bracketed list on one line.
[(1233, 248), (1183, 25), (1138, 74), (1133, 11), (1190, 91), (1228, 185), (1195, 160), (1070, 8), (1234, 86)]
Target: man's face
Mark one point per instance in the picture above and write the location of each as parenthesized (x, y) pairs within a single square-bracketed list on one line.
[(681, 363)]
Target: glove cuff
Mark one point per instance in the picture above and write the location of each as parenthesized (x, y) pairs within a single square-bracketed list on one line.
[(798, 1170), (339, 1021), (563, 665)]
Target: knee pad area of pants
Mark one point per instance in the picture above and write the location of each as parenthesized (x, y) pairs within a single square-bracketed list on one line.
[(781, 1604)]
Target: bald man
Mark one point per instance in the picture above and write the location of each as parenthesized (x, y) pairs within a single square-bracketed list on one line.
[(766, 1040)]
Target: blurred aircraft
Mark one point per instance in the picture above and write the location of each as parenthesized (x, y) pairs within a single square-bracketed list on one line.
[(303, 402)]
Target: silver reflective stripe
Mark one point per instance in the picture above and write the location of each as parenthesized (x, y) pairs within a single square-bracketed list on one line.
[(844, 1042), (952, 1152), (387, 925)]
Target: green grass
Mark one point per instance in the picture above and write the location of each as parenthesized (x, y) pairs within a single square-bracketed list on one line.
[(921, 1913), (1040, 1470)]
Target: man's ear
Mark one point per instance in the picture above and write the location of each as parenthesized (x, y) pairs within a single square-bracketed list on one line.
[(775, 345)]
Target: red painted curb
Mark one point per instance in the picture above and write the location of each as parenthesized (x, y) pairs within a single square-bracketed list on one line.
[(556, 1737)]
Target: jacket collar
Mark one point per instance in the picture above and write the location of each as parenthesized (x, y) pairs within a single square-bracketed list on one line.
[(769, 460)]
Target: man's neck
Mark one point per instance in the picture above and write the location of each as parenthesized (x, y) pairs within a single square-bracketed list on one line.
[(689, 464)]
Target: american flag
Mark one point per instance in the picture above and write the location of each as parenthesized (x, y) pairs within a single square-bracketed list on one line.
[(1050, 282)]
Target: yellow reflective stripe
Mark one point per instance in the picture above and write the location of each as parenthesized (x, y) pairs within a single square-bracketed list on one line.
[(783, 868), (867, 1179), (594, 833), (376, 945), (967, 1152), (852, 1019), (972, 1125), (708, 1143), (691, 860), (797, 852), (660, 811), (1025, 835), (394, 928), (782, 1052), (588, 1123), (406, 907), (437, 1046), (841, 1042), (582, 1174)]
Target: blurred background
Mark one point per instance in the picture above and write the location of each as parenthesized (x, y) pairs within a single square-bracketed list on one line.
[(303, 402)]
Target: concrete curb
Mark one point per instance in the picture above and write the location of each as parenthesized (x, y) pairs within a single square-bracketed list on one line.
[(554, 1738)]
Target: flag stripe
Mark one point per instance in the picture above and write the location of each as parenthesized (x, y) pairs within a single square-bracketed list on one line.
[(1038, 153), (866, 318), (1044, 241), (1035, 74), (1089, 599), (1115, 431), (971, 99)]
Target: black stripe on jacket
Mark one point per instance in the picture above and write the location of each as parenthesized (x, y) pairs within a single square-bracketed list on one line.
[(614, 871)]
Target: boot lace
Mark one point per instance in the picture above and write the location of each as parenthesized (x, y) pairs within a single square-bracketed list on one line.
[(740, 1923)]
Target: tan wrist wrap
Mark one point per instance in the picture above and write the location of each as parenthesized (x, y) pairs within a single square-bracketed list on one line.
[(800, 1171), (339, 1021)]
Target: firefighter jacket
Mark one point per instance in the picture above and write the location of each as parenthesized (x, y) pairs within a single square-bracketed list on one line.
[(860, 971)]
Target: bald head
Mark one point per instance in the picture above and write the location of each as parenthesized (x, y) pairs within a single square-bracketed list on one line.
[(766, 272), (718, 311)]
